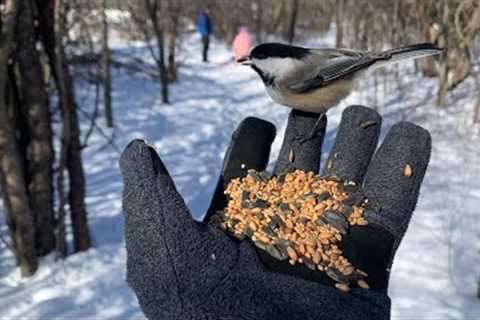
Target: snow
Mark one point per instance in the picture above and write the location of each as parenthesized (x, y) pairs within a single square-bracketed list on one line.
[(436, 268)]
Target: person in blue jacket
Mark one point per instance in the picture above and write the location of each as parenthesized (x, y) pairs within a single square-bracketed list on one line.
[(204, 28)]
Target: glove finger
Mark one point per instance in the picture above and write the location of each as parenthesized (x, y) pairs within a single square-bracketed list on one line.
[(355, 143), (167, 251), (369, 249), (301, 149), (248, 149), (395, 175), (136, 162), (148, 186)]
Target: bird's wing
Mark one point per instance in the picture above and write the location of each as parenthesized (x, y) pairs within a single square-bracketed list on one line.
[(333, 64)]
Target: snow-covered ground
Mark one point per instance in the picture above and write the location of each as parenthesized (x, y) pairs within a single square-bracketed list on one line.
[(436, 268)]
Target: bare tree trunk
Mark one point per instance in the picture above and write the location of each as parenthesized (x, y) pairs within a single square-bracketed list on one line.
[(153, 8), (427, 64), (293, 21), (259, 21), (339, 16), (106, 70), (478, 288), (174, 14), (8, 214), (70, 136), (39, 137), (10, 158), (444, 67), (476, 111), (46, 32)]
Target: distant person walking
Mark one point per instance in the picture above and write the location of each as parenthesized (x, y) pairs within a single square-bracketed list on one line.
[(242, 43), (204, 28)]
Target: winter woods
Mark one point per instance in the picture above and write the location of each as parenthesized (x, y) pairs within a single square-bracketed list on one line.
[(47, 47)]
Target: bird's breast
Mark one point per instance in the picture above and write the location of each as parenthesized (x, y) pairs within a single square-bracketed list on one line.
[(318, 100)]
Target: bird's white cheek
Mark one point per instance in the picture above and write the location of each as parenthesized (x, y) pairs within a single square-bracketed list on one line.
[(278, 67)]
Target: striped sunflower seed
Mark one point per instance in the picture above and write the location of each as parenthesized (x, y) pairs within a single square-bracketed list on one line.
[(346, 211), (325, 195), (276, 252), (354, 199), (284, 208), (367, 124), (309, 263), (336, 276)]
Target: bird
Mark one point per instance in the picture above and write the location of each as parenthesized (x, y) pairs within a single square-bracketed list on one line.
[(317, 79)]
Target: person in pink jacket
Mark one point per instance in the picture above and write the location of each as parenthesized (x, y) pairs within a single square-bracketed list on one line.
[(242, 43)]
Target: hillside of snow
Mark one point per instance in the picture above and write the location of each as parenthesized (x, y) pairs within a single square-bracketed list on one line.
[(436, 268)]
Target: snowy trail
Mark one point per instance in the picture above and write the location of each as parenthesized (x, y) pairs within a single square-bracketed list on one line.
[(436, 267)]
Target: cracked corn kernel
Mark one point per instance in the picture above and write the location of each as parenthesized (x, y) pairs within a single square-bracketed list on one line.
[(408, 170)]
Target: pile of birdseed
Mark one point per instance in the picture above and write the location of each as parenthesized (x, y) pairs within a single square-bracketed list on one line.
[(298, 216)]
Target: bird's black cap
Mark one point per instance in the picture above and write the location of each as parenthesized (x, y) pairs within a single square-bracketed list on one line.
[(278, 50)]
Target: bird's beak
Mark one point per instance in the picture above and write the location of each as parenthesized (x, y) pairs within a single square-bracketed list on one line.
[(245, 60)]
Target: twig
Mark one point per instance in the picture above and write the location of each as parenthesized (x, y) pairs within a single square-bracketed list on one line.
[(5, 242), (102, 133), (95, 115)]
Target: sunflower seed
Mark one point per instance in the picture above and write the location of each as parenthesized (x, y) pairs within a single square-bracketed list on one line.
[(361, 272), (283, 243), (308, 263), (260, 244), (285, 208), (372, 207), (248, 232), (320, 221), (273, 224), (303, 220), (354, 199), (234, 222), (346, 211), (336, 275), (336, 220), (267, 230), (349, 188), (259, 215), (367, 124), (332, 215), (340, 227), (332, 177), (239, 236), (291, 156), (323, 196), (259, 203), (330, 164), (255, 176), (308, 195), (281, 178), (276, 253), (354, 277), (277, 221)]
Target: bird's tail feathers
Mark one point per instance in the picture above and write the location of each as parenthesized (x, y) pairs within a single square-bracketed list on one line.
[(414, 51)]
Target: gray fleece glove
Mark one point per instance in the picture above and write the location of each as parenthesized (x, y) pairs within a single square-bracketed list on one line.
[(183, 269)]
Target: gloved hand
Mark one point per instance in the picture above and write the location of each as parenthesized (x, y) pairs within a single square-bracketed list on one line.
[(183, 269)]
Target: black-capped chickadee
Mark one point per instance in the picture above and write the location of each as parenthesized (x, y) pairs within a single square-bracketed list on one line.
[(315, 80)]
